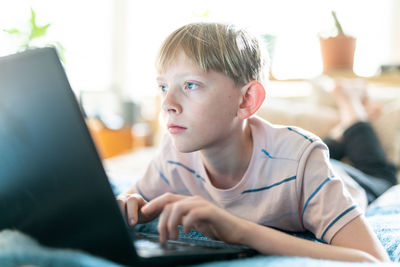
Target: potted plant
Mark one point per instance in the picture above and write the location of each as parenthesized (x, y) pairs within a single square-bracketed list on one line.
[(34, 36), (338, 51)]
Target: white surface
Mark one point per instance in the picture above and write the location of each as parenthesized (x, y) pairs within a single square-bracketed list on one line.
[(127, 168)]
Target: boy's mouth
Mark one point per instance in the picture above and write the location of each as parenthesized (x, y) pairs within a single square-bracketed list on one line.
[(175, 129)]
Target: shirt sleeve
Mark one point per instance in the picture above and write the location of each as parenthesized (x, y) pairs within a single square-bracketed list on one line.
[(325, 204)]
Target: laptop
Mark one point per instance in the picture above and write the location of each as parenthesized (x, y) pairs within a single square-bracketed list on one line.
[(53, 186)]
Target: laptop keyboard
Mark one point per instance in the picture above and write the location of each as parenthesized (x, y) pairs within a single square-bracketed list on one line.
[(149, 243)]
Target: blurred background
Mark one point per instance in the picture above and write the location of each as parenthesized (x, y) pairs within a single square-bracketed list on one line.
[(108, 48)]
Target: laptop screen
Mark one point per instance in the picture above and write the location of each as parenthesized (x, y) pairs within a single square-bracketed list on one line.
[(52, 184)]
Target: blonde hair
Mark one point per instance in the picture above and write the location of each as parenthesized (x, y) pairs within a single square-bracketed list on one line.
[(219, 47)]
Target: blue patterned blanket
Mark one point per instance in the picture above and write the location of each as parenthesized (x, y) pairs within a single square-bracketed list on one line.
[(17, 249)]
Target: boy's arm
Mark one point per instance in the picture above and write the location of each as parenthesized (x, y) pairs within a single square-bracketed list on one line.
[(354, 242), (359, 234)]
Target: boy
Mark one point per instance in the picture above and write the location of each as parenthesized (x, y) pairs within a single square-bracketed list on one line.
[(235, 177)]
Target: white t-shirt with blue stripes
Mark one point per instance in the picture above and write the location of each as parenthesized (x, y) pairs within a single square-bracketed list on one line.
[(289, 184)]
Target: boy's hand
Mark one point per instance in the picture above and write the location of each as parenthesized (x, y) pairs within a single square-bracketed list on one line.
[(196, 213), (130, 205)]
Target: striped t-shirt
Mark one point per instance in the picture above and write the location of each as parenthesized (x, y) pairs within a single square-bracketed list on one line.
[(289, 183)]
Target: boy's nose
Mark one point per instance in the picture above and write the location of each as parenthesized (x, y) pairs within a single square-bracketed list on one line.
[(170, 104)]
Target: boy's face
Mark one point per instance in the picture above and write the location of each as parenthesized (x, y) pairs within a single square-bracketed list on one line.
[(200, 108)]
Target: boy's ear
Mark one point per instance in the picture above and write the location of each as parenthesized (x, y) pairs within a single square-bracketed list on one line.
[(253, 95)]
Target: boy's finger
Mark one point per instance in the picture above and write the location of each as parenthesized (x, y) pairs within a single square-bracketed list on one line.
[(157, 205), (182, 210), (188, 222), (162, 225), (177, 211), (132, 206)]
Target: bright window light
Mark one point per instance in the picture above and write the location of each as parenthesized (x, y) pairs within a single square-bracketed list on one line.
[(296, 25), (112, 44), (83, 28)]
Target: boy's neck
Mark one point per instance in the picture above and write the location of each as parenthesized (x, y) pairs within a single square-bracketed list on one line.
[(226, 164)]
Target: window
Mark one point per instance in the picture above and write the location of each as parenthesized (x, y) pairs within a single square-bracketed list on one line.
[(83, 28), (296, 24), (112, 44)]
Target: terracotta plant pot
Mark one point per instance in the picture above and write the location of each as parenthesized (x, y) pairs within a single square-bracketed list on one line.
[(337, 53)]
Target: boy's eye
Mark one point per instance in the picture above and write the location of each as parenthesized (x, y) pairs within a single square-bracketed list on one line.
[(163, 88), (191, 86)]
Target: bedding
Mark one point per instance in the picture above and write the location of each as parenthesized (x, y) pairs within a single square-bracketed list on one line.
[(18, 249)]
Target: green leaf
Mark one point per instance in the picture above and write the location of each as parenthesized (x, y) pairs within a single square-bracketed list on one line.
[(337, 23), (32, 21), (12, 31), (36, 31)]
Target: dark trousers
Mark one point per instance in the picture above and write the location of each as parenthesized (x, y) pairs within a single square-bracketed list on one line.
[(370, 167)]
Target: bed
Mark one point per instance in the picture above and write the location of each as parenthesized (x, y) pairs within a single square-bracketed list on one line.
[(18, 249)]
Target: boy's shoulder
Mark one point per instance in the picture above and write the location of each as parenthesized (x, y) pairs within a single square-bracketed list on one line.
[(283, 141)]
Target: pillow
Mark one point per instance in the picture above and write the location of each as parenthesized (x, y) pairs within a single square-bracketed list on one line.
[(316, 119), (387, 127)]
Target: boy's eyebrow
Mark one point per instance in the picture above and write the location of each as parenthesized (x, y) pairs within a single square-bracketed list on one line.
[(183, 75), (159, 79)]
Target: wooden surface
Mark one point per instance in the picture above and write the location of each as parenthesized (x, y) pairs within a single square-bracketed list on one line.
[(110, 142)]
